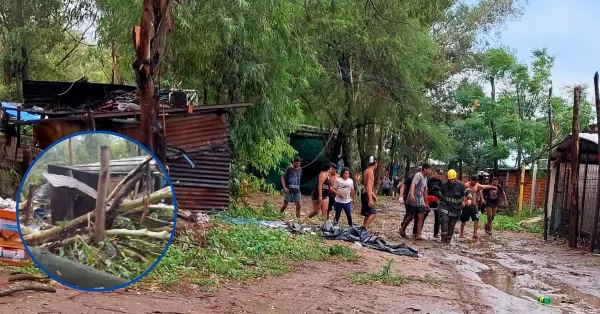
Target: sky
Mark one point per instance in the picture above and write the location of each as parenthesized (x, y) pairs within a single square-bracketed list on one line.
[(564, 28)]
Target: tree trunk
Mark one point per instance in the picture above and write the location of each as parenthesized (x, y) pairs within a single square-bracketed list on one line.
[(74, 273), (143, 75), (347, 125), (380, 144), (492, 126), (407, 167)]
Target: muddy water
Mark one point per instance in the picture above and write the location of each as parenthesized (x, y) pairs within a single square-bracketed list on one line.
[(529, 285)]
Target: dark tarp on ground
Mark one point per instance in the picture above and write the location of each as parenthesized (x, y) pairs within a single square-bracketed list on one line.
[(361, 236)]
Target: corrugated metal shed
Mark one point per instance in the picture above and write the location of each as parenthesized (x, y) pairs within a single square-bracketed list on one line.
[(206, 140), (588, 149)]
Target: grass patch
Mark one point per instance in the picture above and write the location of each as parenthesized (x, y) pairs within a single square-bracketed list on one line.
[(513, 222), (383, 276), (29, 268), (243, 251), (268, 211)]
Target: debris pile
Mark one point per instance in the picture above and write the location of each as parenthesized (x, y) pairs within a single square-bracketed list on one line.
[(12, 251), (137, 231)]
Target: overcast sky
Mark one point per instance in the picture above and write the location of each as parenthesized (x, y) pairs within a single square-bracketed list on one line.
[(567, 29)]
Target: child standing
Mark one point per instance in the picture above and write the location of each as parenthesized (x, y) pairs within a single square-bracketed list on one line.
[(343, 188)]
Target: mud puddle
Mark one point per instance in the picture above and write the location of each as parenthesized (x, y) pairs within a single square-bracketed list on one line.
[(529, 286)]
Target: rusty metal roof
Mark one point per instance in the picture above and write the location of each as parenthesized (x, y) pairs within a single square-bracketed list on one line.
[(70, 182), (588, 143), (206, 140)]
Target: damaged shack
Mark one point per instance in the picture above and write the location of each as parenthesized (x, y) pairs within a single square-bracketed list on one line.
[(72, 189), (197, 136)]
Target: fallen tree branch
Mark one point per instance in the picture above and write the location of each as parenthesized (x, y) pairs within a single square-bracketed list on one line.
[(75, 273), (163, 235), (18, 288), (127, 178), (135, 205), (19, 277)]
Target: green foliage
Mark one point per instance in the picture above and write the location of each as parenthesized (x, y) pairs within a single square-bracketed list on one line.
[(513, 222), (243, 251), (266, 212), (383, 276)]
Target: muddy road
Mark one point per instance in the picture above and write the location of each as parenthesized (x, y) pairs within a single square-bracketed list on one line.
[(500, 274)]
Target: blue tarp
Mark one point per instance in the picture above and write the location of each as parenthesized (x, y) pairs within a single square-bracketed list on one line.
[(25, 116)]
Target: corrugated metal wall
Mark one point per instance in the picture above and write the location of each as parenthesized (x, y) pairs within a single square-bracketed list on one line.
[(206, 139)]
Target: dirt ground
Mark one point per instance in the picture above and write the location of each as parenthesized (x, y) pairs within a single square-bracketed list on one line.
[(500, 274)]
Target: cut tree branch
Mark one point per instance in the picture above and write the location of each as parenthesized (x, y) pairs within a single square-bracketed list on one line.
[(163, 235)]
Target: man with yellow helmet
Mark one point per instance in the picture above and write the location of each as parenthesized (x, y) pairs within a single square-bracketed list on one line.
[(453, 196)]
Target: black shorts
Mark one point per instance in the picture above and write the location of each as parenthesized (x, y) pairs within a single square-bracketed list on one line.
[(365, 209), (469, 212), (331, 202), (413, 210), (315, 195), (491, 205)]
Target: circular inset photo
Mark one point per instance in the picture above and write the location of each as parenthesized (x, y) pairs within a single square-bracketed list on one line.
[(96, 211)]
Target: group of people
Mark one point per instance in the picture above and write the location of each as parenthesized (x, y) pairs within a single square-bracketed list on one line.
[(449, 199), (333, 192)]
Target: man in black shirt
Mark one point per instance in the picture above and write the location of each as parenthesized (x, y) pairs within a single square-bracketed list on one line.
[(396, 186), (433, 188)]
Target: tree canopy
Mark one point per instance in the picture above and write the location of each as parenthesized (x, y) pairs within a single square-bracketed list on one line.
[(406, 80)]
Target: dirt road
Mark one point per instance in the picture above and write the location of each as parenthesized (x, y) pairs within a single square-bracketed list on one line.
[(503, 274)]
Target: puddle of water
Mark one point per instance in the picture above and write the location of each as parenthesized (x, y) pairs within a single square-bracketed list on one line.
[(565, 298)]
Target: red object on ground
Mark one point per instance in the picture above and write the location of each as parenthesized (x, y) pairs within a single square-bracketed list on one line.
[(432, 199)]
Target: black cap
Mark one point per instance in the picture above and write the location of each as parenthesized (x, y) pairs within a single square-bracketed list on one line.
[(439, 171), (297, 159)]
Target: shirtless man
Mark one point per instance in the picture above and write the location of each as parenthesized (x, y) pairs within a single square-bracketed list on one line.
[(470, 211), (367, 197)]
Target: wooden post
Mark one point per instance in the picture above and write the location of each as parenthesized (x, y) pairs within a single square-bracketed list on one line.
[(533, 187), (70, 152), (574, 180), (597, 211), (102, 194), (521, 185), (548, 167)]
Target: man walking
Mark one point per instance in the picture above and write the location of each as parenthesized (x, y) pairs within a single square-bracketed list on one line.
[(385, 186), (452, 198), (434, 186), (408, 208), (367, 197), (396, 186), (471, 211), (491, 197), (290, 180), (416, 197)]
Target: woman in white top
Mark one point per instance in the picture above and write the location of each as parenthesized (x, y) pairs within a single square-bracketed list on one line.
[(343, 188)]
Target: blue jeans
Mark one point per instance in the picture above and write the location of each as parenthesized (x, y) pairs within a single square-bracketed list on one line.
[(347, 207)]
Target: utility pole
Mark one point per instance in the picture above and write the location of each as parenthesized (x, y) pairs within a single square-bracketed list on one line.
[(548, 167), (596, 213), (574, 180)]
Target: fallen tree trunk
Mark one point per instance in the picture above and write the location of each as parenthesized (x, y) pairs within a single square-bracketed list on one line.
[(131, 206), (11, 290), (75, 273), (127, 178), (163, 235)]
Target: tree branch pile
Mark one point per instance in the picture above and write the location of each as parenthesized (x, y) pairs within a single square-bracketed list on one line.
[(71, 253)]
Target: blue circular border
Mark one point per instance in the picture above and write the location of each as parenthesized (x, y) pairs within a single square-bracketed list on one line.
[(162, 168)]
